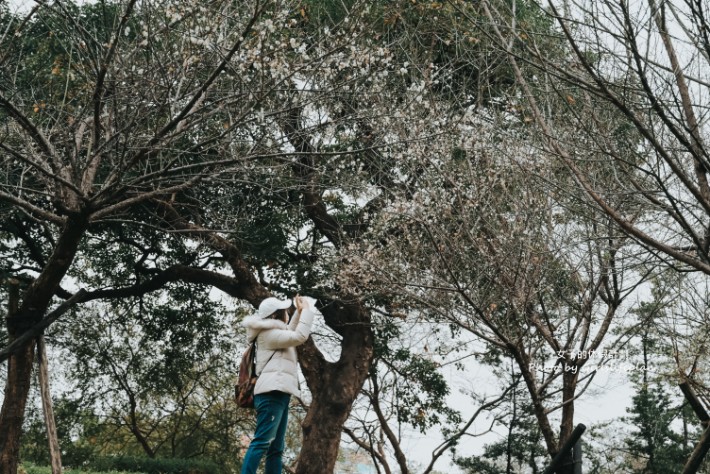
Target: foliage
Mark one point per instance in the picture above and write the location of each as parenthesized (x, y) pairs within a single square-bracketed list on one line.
[(162, 378), (149, 118), (78, 431), (654, 443), (519, 447), (410, 375), (29, 468), (154, 466), (662, 427), (412, 154)]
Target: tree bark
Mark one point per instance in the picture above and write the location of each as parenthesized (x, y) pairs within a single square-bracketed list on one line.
[(548, 434), (17, 387), (334, 386), (19, 370)]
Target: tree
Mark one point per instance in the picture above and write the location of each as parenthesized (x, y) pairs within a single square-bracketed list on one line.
[(481, 246), (656, 189), (174, 147), (84, 141), (406, 390), (520, 449), (656, 149), (162, 377), (655, 445), (611, 62)]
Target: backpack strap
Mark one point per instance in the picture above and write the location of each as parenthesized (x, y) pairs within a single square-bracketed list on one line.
[(254, 361)]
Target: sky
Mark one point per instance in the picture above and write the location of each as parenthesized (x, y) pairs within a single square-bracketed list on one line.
[(607, 399)]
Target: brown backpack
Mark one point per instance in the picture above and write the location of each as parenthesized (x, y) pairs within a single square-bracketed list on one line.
[(244, 389)]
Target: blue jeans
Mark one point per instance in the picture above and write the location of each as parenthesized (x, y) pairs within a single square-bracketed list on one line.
[(270, 435)]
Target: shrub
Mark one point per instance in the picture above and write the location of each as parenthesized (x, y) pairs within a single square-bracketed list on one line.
[(29, 468), (154, 466)]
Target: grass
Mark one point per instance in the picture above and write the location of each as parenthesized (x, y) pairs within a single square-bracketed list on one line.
[(32, 469)]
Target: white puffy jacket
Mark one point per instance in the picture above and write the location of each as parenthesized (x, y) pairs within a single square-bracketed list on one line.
[(276, 359)]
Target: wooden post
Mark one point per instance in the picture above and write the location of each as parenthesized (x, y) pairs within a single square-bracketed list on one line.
[(54, 452), (577, 457), (556, 462)]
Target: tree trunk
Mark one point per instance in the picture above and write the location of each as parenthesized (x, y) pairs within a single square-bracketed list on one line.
[(34, 305), (334, 386), (391, 436), (548, 434), (19, 374), (569, 387)]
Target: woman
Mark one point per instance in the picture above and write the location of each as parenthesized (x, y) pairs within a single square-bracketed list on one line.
[(277, 368)]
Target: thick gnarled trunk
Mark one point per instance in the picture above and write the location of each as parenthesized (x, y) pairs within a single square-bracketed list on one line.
[(334, 386)]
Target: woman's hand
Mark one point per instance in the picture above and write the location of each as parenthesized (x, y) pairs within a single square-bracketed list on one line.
[(301, 303)]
